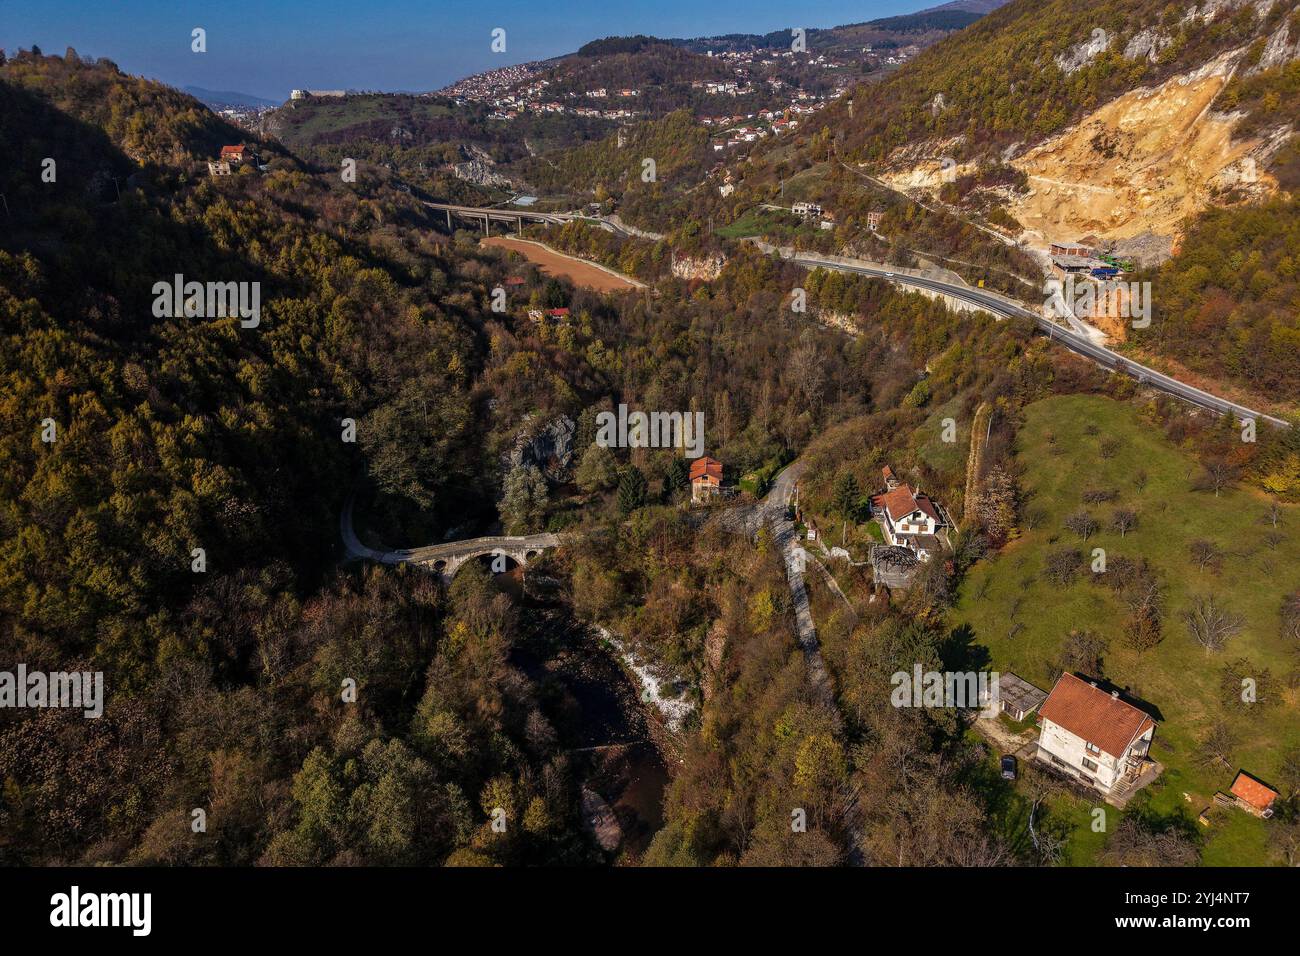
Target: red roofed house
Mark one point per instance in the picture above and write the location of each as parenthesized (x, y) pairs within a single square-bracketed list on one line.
[(237, 154), (908, 518), (1094, 736), (1252, 796), (706, 479)]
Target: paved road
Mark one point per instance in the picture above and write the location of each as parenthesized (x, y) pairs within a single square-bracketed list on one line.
[(992, 302), (771, 511), (1000, 305)]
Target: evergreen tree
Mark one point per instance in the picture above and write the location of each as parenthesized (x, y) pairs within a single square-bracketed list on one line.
[(847, 496), (632, 490), (677, 477)]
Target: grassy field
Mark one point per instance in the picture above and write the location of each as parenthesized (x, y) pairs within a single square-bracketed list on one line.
[(329, 115), (755, 222), (947, 458), (1023, 618)]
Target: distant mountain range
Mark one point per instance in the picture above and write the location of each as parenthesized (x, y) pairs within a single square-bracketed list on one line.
[(969, 6), (219, 98), (980, 7)]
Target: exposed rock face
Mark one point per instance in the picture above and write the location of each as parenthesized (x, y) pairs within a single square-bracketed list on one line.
[(549, 447), (1145, 249), (1210, 9), (1146, 45), (925, 165), (703, 267), (479, 168), (1077, 57), (477, 171), (837, 320), (1142, 163), (1279, 50)]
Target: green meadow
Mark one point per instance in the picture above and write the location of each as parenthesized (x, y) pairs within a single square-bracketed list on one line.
[(1023, 617)]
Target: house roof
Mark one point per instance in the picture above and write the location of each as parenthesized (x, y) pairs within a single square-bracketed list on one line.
[(1094, 715), (1019, 693), (706, 467), (925, 504), (898, 503), (929, 543), (1252, 791), (233, 150)]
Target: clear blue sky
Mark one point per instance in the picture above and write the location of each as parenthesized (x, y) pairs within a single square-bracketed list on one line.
[(267, 47)]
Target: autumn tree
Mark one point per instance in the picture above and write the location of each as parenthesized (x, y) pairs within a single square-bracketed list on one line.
[(1123, 520), (1084, 653), (1082, 523), (523, 500), (597, 469)]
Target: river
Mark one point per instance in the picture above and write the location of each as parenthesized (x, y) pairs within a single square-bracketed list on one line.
[(598, 714)]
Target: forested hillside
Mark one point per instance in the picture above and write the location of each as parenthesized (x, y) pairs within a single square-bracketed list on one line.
[(179, 437), (616, 168), (1228, 304), (982, 98), (172, 487), (999, 81)]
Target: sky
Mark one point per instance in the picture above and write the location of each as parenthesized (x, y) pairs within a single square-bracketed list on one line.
[(268, 47)]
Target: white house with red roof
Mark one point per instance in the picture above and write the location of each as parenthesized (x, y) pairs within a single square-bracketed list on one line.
[(908, 518), (1094, 736)]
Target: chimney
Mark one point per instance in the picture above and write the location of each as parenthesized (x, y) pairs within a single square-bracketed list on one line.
[(1114, 695), (1092, 683)]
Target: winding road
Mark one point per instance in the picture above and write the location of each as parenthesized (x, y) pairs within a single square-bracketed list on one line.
[(1002, 306), (981, 298)]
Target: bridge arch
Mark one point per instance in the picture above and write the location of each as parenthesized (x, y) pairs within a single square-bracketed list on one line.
[(446, 558)]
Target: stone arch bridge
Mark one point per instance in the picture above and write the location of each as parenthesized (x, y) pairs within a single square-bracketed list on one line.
[(447, 558)]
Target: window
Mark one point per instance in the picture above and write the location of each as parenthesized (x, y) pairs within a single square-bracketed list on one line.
[(1089, 764), (1093, 748)]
